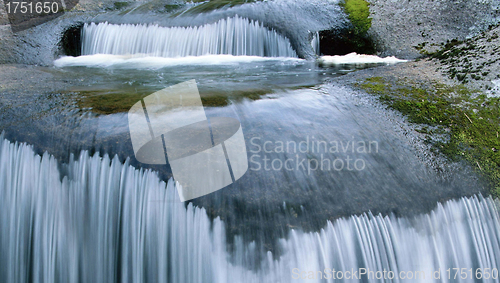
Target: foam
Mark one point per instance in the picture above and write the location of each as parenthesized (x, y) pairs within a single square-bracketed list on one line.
[(138, 61), (354, 58)]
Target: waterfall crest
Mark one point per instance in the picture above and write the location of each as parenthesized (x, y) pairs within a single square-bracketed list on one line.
[(105, 221), (234, 36)]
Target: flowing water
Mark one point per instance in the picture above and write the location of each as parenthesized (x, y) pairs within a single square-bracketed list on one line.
[(104, 221), (234, 36), (76, 214)]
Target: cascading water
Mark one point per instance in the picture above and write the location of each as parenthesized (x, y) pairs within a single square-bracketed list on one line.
[(315, 43), (105, 221), (233, 36)]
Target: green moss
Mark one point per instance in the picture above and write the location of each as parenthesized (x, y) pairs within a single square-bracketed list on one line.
[(219, 99), (109, 101), (456, 58), (359, 14), (351, 38), (378, 80), (470, 120), (172, 7), (106, 101), (424, 47), (120, 5), (215, 101), (375, 87)]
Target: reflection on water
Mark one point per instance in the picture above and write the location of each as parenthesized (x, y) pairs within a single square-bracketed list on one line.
[(110, 80)]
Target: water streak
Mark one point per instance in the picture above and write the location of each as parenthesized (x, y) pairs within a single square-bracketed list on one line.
[(316, 44), (99, 220), (233, 36)]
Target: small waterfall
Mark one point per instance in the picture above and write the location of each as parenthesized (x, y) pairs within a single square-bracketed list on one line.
[(463, 233), (233, 36), (315, 43), (105, 221)]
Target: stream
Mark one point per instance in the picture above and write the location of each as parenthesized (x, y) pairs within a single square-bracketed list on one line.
[(335, 180)]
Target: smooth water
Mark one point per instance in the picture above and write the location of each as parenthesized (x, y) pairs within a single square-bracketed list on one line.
[(98, 220)]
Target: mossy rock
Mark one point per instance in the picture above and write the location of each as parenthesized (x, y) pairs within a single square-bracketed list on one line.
[(469, 119), (359, 15), (120, 5), (109, 101), (352, 38)]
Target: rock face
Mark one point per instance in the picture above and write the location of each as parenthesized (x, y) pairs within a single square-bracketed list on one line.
[(400, 25), (40, 45), (474, 62)]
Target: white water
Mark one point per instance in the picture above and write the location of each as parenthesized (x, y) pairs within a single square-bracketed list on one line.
[(315, 43), (135, 62), (105, 221), (357, 59), (234, 36)]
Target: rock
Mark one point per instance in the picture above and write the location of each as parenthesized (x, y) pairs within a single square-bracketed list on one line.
[(398, 26)]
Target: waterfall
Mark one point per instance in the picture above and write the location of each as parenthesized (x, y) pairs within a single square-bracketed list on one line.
[(233, 36), (315, 43), (96, 219)]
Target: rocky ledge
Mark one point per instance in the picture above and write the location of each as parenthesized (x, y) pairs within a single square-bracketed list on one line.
[(451, 95)]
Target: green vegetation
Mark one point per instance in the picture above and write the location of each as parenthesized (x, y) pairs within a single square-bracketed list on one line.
[(466, 60), (109, 101), (469, 120), (351, 38), (116, 101), (172, 7), (359, 15), (120, 5), (424, 47)]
